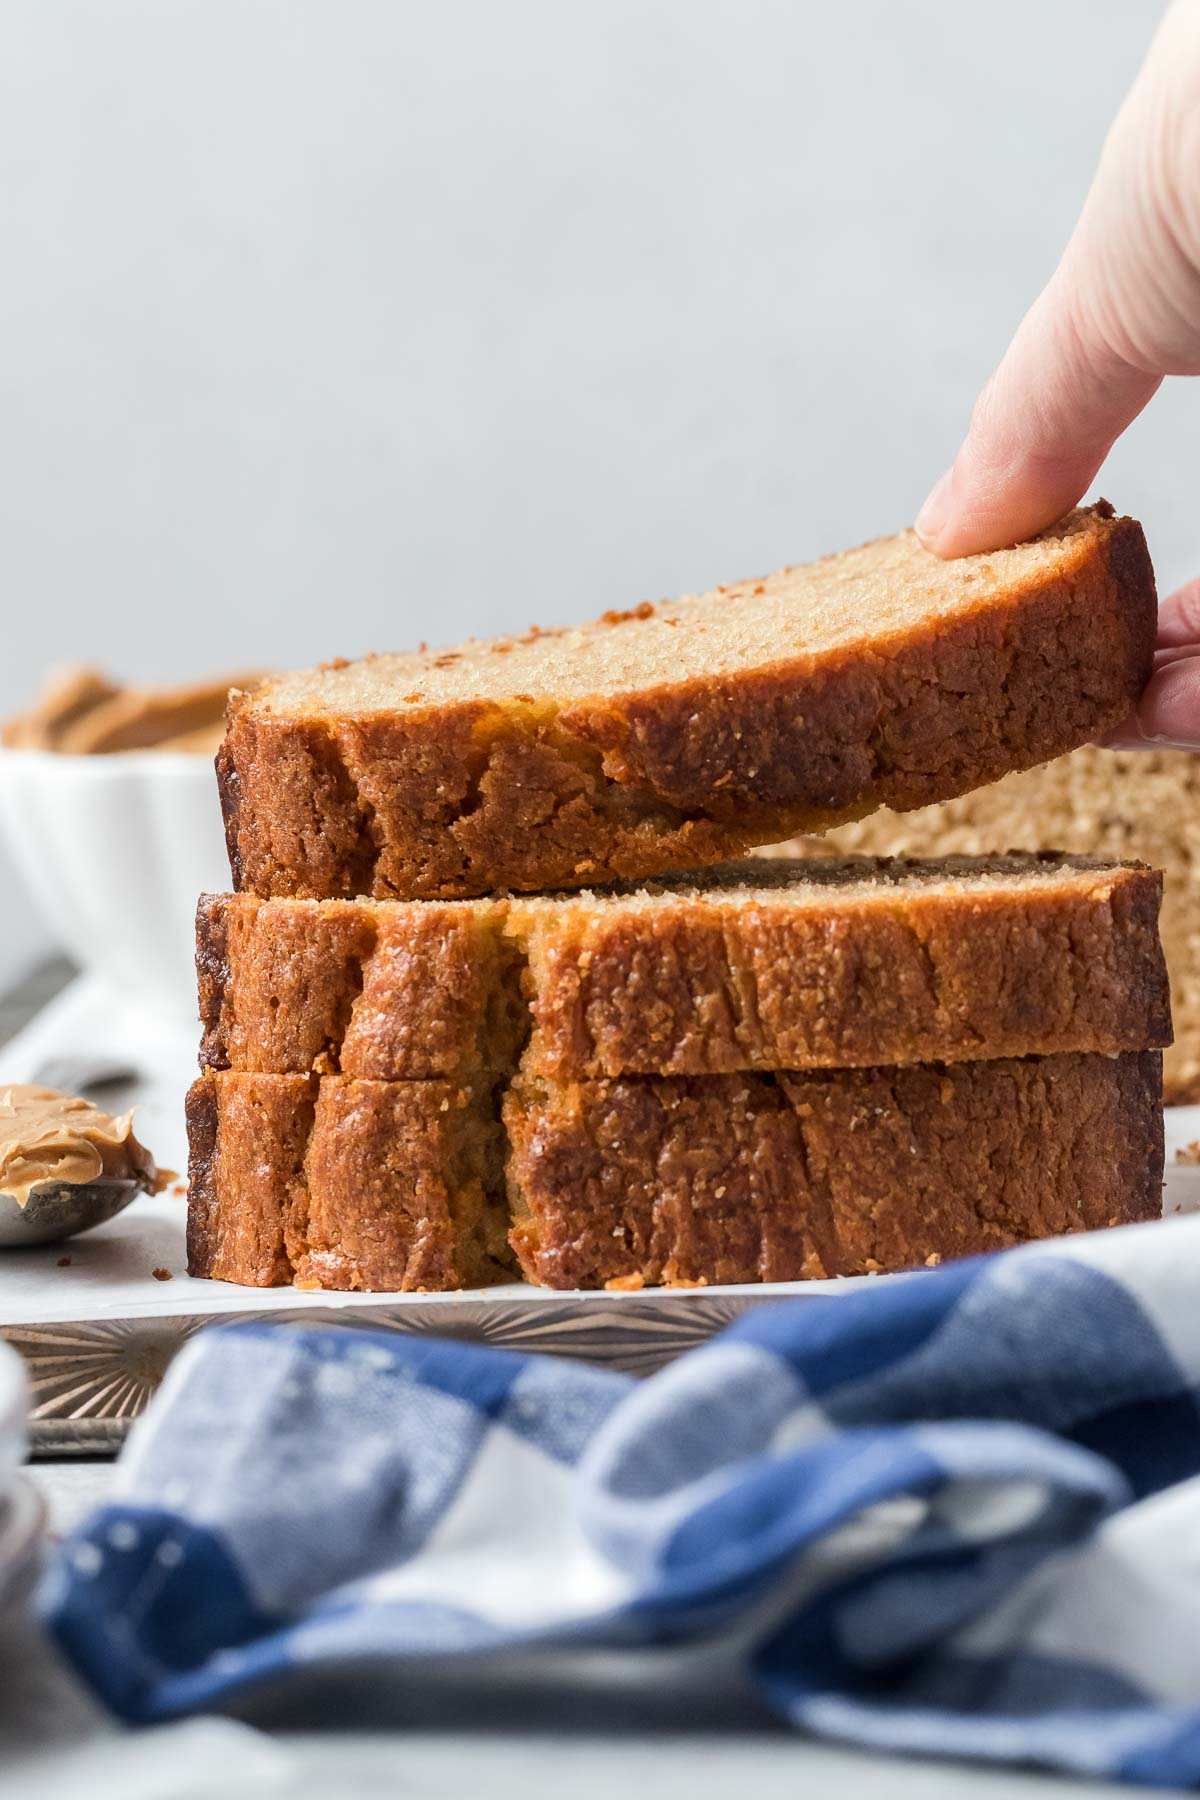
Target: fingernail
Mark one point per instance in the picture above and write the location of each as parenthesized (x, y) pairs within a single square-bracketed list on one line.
[(932, 516), (1130, 736)]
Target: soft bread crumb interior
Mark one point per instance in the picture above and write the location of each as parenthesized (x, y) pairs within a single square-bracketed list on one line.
[(853, 597)]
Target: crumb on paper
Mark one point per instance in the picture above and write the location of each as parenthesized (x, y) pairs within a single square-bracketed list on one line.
[(625, 1284), (1188, 1154), (179, 1190), (64, 1262), (308, 1284), (161, 1274), (933, 1259), (682, 1281)]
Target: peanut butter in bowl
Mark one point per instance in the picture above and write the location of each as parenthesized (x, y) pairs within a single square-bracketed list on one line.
[(82, 712)]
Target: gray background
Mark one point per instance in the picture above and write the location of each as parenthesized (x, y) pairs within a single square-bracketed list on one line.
[(328, 326)]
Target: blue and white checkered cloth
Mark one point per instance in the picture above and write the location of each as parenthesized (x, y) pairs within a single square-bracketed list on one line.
[(954, 1513)]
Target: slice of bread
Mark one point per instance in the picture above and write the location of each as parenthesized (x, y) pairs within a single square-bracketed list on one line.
[(330, 1183), (1140, 803), (400, 1186), (676, 734), (782, 965), (778, 1178)]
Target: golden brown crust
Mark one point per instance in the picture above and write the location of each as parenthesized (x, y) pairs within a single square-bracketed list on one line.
[(246, 1144), (913, 975), (397, 1186), (754, 1178), (334, 1183), (351, 987), (892, 967), (474, 795)]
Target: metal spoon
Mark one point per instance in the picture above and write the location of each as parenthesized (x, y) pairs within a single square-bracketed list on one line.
[(83, 1074), (62, 1209)]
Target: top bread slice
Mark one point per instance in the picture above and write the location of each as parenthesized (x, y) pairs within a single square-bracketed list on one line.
[(675, 735), (789, 965)]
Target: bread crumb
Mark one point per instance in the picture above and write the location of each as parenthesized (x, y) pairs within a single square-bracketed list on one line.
[(1188, 1154), (681, 1281), (946, 1090), (933, 1259), (180, 1190), (64, 1262), (625, 1284), (645, 610), (307, 1285), (161, 1274)]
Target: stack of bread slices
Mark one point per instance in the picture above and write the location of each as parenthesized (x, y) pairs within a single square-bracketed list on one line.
[(420, 1072)]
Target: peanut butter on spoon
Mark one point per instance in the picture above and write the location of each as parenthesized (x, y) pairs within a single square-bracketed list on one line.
[(48, 1136)]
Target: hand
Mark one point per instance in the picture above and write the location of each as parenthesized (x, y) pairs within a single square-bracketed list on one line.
[(1121, 311)]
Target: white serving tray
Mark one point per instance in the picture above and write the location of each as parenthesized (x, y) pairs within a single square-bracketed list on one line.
[(98, 1331)]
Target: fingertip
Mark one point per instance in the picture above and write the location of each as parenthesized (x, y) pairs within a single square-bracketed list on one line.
[(931, 520), (966, 517), (975, 522)]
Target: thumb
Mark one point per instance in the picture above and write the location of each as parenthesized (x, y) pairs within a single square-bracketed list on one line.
[(1167, 715)]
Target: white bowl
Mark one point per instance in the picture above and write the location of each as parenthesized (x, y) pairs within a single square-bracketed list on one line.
[(116, 850)]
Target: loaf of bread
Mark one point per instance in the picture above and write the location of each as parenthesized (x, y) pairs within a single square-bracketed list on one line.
[(340, 1183), (1128, 803), (768, 966), (678, 734), (335, 1183)]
